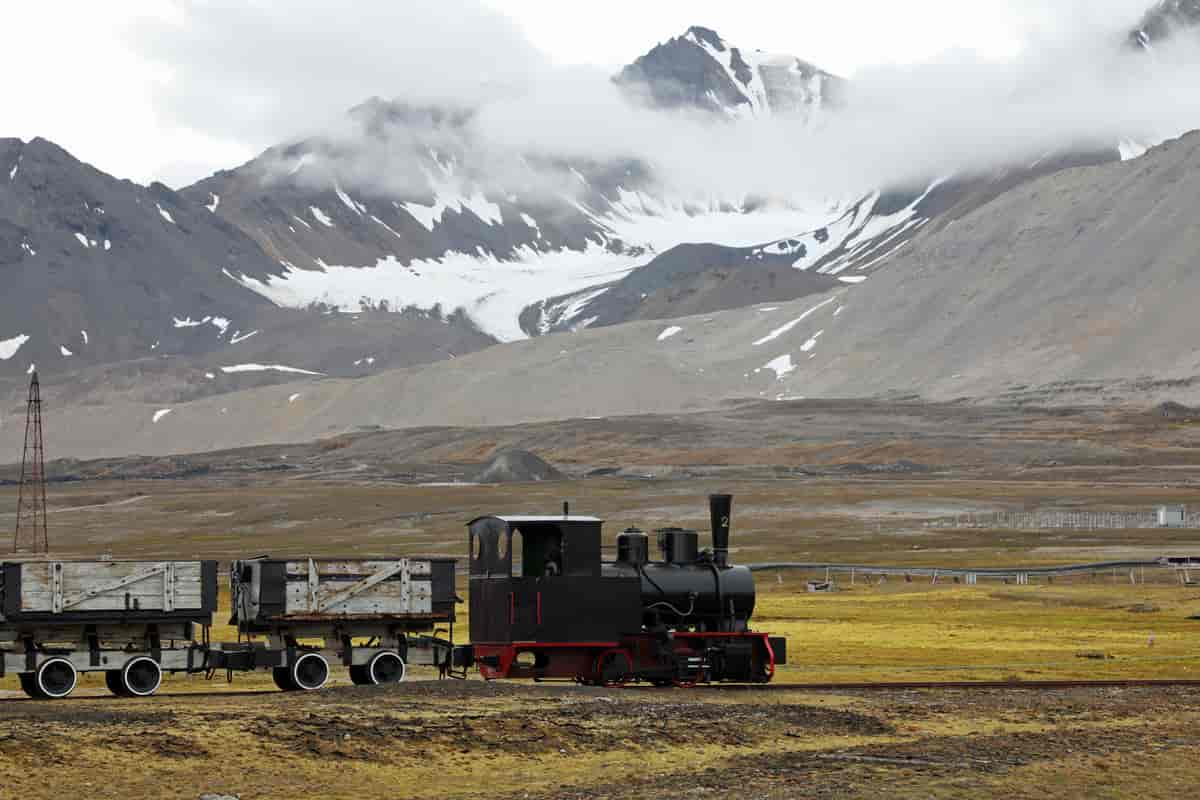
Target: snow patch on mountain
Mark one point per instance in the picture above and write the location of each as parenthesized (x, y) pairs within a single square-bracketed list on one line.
[(239, 368), (348, 201), (860, 238), (781, 330), (389, 228), (9, 347), (741, 74), (220, 323), (662, 222), (451, 194), (491, 291), (1129, 149), (782, 367)]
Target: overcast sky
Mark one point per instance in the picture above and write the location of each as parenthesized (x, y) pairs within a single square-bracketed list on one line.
[(174, 89)]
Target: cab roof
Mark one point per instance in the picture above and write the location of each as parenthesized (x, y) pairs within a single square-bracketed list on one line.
[(518, 519)]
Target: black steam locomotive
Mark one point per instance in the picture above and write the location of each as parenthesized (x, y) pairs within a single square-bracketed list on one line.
[(544, 605)]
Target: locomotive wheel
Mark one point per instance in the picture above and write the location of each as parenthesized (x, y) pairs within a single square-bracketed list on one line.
[(29, 685), (358, 675), (309, 672), (141, 677), (612, 668), (386, 667), (283, 679), (112, 679), (56, 678)]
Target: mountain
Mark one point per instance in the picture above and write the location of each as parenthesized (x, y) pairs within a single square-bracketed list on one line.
[(700, 70), (413, 207), (102, 271), (1074, 287), (1163, 19), (1078, 285), (97, 269), (405, 237), (401, 211)]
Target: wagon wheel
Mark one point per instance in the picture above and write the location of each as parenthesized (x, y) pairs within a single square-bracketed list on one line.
[(112, 679), (283, 679), (56, 678), (29, 686), (309, 672), (141, 677), (386, 667)]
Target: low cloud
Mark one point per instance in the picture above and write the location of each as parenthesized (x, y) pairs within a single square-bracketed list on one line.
[(260, 74)]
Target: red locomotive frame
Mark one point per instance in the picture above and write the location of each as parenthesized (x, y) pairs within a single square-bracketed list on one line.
[(585, 662)]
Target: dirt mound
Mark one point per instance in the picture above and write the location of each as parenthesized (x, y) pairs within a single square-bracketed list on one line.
[(517, 466), (1178, 411)]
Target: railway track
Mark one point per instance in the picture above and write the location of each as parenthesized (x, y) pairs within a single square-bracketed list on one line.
[(843, 686), (1050, 685)]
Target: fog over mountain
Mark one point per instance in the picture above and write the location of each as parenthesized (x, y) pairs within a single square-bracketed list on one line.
[(1069, 87)]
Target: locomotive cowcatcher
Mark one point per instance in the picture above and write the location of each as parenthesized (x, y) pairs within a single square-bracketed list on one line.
[(544, 605)]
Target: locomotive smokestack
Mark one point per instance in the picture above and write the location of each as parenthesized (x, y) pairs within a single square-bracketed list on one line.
[(720, 507)]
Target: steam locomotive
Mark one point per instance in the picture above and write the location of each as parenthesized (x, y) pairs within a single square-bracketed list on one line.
[(544, 605)]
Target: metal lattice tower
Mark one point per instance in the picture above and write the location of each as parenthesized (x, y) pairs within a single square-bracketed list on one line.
[(31, 536)]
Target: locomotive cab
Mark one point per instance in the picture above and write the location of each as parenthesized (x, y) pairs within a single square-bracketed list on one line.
[(538, 579)]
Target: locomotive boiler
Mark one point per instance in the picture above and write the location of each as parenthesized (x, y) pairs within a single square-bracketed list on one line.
[(699, 591), (545, 605)]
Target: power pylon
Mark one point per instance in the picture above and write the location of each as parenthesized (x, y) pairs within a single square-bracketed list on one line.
[(31, 536)]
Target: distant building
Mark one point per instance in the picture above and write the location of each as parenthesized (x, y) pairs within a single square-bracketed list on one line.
[(1172, 517)]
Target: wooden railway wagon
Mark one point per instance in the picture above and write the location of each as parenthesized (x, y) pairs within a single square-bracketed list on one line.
[(340, 602), (136, 620), (131, 620)]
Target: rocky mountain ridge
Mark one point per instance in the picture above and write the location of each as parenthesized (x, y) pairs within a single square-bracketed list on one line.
[(100, 271), (700, 70)]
